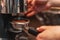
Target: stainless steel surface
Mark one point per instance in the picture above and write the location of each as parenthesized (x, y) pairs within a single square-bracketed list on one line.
[(8, 4), (20, 24), (11, 6), (18, 9), (14, 6), (25, 5)]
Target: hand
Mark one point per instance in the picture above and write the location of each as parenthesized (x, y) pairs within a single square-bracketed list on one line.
[(35, 6), (49, 33)]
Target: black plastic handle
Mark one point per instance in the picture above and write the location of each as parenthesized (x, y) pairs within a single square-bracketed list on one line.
[(33, 31)]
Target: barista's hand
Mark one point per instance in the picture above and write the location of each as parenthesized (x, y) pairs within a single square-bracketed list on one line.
[(35, 6), (49, 33)]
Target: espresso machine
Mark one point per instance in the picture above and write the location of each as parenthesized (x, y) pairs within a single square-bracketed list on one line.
[(16, 24)]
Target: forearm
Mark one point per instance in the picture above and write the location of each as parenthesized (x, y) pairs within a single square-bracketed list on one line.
[(55, 3)]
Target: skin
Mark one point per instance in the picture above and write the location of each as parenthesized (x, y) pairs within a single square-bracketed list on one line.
[(48, 33), (35, 6)]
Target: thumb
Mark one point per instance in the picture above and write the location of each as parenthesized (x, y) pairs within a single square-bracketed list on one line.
[(42, 28)]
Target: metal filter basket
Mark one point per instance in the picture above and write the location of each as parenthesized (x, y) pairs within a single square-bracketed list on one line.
[(20, 24)]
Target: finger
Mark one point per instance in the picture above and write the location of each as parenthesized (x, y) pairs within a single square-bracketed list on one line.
[(29, 5), (33, 2), (39, 37), (40, 2), (42, 28), (29, 1), (31, 14), (29, 10)]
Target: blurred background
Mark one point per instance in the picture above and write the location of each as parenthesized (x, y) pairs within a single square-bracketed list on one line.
[(47, 17)]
